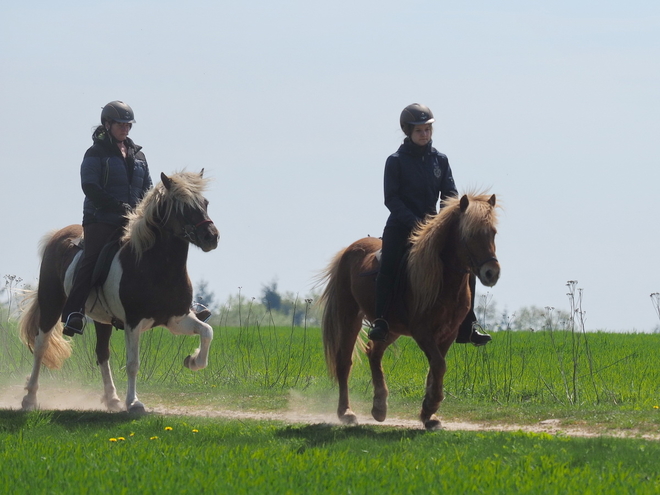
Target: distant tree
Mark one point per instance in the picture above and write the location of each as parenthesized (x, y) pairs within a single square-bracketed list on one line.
[(535, 318), (270, 297)]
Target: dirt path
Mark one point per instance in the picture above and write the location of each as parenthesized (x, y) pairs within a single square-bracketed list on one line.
[(86, 400)]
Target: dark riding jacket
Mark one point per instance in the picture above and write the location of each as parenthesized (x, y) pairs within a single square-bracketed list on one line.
[(415, 177), (112, 183)]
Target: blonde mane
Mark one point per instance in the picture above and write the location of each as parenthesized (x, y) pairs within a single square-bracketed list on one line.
[(186, 190), (425, 268)]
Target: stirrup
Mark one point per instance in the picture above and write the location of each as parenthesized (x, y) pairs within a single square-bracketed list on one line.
[(202, 313), (379, 330), (75, 324)]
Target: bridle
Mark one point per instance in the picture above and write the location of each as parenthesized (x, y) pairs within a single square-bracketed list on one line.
[(189, 231), (476, 267)]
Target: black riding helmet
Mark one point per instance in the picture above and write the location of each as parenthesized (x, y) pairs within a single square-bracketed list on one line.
[(117, 111), (415, 114)]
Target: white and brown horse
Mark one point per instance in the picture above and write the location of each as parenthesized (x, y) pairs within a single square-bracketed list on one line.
[(445, 249), (147, 286)]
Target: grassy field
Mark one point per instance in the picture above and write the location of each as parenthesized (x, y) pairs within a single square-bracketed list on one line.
[(605, 381), (520, 376), (73, 452)]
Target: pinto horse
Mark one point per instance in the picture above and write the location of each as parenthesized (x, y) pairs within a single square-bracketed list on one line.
[(445, 249), (147, 286)]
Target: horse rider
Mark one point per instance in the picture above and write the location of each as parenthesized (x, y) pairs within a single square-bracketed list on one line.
[(114, 178), (416, 176)]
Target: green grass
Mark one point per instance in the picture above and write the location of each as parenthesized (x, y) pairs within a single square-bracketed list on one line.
[(607, 380), (84, 452)]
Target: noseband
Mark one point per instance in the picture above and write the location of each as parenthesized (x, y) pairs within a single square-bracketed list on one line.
[(190, 229)]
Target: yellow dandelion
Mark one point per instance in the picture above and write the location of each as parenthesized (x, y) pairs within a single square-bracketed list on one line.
[(154, 438), (121, 438), (113, 439), (168, 428), (195, 431), (131, 434), (656, 407)]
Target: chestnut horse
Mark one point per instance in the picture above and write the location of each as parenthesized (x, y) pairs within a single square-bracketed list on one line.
[(445, 249), (147, 286)]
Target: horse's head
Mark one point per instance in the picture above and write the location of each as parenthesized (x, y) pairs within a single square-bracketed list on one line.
[(184, 210), (477, 236)]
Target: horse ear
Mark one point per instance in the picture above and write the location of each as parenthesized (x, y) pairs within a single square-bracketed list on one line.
[(201, 174), (464, 203), (167, 182), (491, 200)]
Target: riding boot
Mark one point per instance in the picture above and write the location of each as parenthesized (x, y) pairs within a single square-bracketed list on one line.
[(379, 330), (470, 334), (202, 313), (75, 324)]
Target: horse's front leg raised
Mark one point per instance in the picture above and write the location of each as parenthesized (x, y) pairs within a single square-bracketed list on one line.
[(434, 383), (190, 325), (375, 352)]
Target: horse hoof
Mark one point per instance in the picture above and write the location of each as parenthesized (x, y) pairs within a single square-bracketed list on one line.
[(348, 418), (137, 408), (115, 405), (379, 414), (28, 404), (379, 409), (433, 424), (186, 362)]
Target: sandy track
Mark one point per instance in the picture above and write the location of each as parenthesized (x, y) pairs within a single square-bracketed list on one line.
[(86, 400)]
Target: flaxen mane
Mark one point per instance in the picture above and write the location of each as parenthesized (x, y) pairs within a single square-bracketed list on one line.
[(157, 206), (425, 268)]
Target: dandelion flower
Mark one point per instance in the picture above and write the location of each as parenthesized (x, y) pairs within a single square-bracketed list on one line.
[(154, 438), (121, 438), (131, 434), (656, 407), (113, 439), (195, 431), (168, 428)]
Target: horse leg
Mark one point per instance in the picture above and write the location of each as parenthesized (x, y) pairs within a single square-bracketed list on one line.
[(343, 361), (41, 342), (375, 352), (110, 397), (132, 336), (434, 382), (190, 325)]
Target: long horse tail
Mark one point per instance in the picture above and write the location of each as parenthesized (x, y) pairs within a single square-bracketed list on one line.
[(59, 348), (51, 293), (331, 318)]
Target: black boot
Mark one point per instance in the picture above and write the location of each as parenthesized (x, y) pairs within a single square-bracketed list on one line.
[(472, 335), (379, 330), (203, 315), (201, 312), (75, 324)]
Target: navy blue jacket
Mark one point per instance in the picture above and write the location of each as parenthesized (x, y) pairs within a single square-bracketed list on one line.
[(415, 178), (110, 181)]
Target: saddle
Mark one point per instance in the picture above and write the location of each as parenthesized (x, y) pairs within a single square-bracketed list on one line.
[(103, 262), (399, 286)]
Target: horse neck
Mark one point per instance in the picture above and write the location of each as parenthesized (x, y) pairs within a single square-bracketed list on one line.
[(167, 251), (441, 270)]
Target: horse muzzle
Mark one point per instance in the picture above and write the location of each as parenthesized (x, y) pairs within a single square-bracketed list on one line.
[(489, 272)]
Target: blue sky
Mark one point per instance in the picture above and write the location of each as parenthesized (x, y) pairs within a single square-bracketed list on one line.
[(292, 107)]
